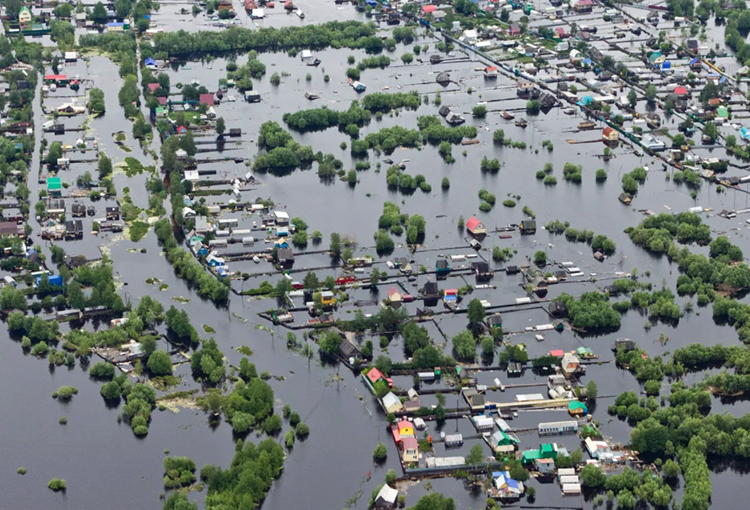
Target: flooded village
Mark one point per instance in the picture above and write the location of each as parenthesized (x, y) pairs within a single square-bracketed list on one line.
[(374, 255)]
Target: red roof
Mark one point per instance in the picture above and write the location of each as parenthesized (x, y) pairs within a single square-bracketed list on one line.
[(451, 292), (680, 91), (557, 352), (560, 30), (206, 99), (409, 442), (473, 223), (152, 86), (375, 375), (404, 423), (55, 77), (585, 2), (429, 8), (491, 68), (607, 131), (162, 100), (182, 129)]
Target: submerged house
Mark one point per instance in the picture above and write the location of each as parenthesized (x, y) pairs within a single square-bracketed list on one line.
[(528, 227), (475, 227)]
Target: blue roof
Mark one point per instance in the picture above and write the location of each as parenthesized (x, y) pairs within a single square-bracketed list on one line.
[(587, 61), (666, 65), (513, 484), (116, 24), (149, 61), (694, 61), (722, 79)]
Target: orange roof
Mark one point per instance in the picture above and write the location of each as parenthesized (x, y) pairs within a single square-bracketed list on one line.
[(557, 352)]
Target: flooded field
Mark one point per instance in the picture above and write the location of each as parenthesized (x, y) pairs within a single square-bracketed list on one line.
[(237, 215)]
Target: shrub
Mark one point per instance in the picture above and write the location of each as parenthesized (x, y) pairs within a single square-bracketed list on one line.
[(65, 393), (102, 370), (380, 453), (302, 430), (57, 484)]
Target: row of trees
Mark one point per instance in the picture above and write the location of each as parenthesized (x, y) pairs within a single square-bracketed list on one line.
[(188, 268)]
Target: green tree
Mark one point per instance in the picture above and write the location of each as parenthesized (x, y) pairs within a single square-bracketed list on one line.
[(465, 346), (335, 245), (591, 390), (380, 453), (711, 131), (435, 501), (476, 455), (593, 477), (220, 126), (99, 14), (475, 311), (540, 258), (632, 98), (651, 92), (159, 363)]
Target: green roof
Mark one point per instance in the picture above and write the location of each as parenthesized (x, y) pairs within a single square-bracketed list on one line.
[(547, 448), (530, 455), (722, 112), (575, 405), (54, 183)]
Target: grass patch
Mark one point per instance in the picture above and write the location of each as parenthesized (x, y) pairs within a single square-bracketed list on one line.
[(180, 299), (163, 287), (134, 166), (177, 395), (208, 329), (166, 382), (21, 471), (244, 349), (138, 229), (153, 280), (120, 137)]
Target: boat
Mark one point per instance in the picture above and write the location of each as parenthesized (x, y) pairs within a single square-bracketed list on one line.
[(569, 111), (522, 123), (256, 259), (507, 115), (311, 96), (299, 13), (313, 62), (586, 125)]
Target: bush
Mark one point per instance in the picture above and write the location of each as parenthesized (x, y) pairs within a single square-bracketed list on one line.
[(57, 484), (380, 453), (102, 370), (302, 430), (479, 112), (65, 393), (159, 363), (509, 203)]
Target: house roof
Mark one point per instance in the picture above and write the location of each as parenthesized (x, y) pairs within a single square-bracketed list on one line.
[(681, 91), (54, 183), (404, 424), (474, 223), (557, 352), (387, 494), (374, 375), (153, 86), (429, 8), (206, 99), (408, 441), (608, 131)]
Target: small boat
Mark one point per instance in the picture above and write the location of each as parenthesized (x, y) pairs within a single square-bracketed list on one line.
[(522, 123), (569, 111), (299, 13), (586, 125), (311, 96), (256, 259), (435, 59), (507, 115)]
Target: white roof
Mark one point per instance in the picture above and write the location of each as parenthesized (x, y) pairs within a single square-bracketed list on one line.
[(572, 488), (387, 494), (391, 400), (566, 471), (191, 175), (570, 479), (281, 215), (533, 396)]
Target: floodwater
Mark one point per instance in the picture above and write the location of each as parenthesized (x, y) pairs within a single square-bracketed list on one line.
[(106, 466)]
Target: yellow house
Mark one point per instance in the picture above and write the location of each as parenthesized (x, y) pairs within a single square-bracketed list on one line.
[(405, 428), (409, 450), (24, 16), (327, 298)]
